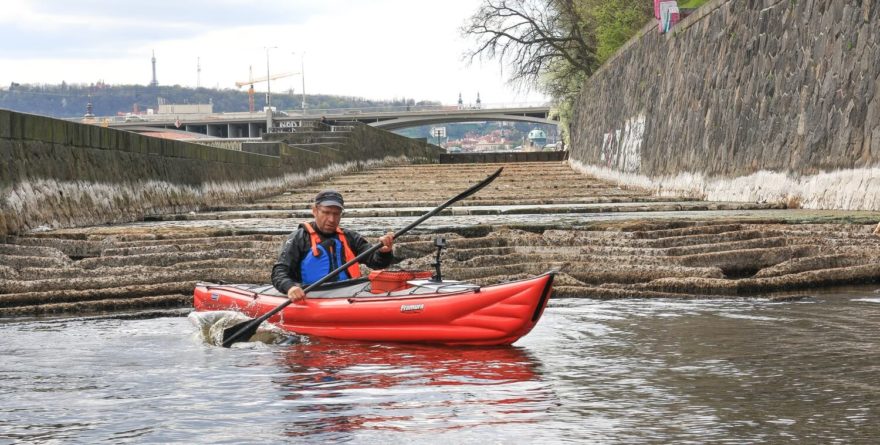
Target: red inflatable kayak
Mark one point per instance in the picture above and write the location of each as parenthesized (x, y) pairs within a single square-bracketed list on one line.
[(419, 311)]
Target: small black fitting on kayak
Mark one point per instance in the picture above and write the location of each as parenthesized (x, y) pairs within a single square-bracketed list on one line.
[(440, 243)]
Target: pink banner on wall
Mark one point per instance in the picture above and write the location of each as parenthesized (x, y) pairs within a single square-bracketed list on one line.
[(669, 14)]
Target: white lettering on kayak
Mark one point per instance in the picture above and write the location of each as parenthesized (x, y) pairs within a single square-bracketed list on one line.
[(412, 307)]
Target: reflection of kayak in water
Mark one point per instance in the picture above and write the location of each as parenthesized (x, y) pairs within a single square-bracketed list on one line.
[(383, 366), (336, 390), (422, 311)]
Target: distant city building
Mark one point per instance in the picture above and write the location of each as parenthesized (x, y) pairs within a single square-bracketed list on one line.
[(500, 137), (486, 146), (90, 111), (537, 139)]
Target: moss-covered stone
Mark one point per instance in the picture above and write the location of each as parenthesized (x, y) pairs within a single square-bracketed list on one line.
[(16, 125), (30, 128), (5, 124)]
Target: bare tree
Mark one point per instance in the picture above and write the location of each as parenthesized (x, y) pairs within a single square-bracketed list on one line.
[(533, 37)]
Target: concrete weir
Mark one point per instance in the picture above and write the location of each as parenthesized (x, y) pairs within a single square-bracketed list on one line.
[(607, 242)]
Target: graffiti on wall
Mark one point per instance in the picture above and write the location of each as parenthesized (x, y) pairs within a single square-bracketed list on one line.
[(622, 148)]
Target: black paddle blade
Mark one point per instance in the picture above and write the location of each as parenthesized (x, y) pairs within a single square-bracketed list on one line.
[(240, 332), (477, 187)]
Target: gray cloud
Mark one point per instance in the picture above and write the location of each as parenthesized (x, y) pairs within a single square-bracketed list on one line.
[(111, 27)]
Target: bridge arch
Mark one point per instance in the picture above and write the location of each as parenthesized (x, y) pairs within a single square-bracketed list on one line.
[(399, 123)]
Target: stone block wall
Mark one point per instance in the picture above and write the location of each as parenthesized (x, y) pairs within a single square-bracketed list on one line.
[(56, 173), (226, 143), (370, 142), (482, 158), (361, 142), (746, 100)]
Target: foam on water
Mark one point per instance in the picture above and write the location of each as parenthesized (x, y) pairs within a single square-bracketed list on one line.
[(212, 324), (868, 300)]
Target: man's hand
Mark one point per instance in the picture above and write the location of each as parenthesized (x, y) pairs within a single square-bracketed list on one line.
[(296, 293), (387, 241)]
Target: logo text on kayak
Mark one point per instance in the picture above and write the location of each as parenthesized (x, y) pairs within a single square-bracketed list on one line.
[(412, 307)]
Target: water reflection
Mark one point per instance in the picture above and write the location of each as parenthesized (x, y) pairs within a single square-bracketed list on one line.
[(336, 388), (639, 371), (727, 371)]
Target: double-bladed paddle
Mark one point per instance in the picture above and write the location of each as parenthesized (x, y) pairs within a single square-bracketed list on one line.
[(247, 329)]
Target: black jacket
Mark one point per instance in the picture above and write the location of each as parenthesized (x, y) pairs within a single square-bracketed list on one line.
[(286, 271)]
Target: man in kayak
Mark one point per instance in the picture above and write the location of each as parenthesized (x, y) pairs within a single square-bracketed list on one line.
[(318, 247)]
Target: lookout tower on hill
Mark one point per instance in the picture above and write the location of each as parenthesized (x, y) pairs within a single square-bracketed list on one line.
[(154, 82)]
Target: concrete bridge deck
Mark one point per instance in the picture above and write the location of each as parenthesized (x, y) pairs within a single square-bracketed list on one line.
[(253, 125)]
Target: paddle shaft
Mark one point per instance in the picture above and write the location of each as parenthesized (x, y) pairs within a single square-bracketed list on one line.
[(251, 326)]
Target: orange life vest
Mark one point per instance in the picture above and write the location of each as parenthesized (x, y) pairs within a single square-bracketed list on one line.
[(354, 271)]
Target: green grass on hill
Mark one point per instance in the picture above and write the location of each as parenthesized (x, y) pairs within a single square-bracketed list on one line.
[(690, 4)]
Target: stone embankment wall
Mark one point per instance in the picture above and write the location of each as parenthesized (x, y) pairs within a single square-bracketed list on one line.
[(55, 173), (225, 143), (763, 100)]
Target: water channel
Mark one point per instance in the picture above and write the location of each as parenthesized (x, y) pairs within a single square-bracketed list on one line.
[(731, 371)]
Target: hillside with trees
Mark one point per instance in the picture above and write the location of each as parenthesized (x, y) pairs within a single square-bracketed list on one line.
[(68, 100)]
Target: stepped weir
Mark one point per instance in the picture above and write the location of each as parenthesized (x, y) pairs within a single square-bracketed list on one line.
[(607, 242)]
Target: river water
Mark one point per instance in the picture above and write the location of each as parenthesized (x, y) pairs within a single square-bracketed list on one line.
[(733, 371)]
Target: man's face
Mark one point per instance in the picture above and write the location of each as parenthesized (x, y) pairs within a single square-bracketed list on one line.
[(327, 218)]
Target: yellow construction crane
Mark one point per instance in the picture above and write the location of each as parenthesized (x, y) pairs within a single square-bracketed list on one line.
[(252, 81)]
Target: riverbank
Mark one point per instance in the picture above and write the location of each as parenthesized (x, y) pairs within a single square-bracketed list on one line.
[(608, 242)]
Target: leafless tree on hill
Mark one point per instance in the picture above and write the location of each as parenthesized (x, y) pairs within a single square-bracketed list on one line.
[(533, 37)]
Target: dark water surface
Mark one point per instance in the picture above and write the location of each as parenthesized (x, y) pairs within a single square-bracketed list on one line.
[(743, 371)]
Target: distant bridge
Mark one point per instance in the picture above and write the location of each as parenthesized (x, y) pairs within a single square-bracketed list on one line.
[(398, 120), (253, 125)]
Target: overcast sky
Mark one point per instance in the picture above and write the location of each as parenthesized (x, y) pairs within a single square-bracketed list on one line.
[(377, 49)]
